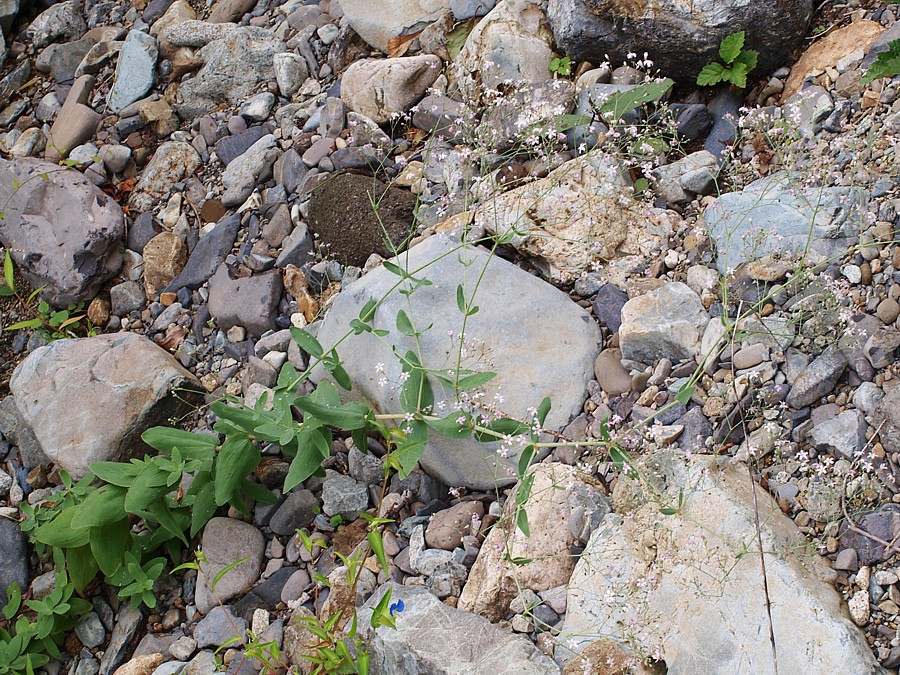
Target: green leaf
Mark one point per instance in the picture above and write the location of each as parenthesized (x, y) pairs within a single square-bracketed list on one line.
[(9, 272), (522, 522), (450, 427), (461, 299), (505, 425), (886, 65), (148, 485), (416, 394), (225, 570), (349, 416), (684, 394), (409, 451), (731, 46), (103, 506), (748, 58), (737, 75), (161, 511), (13, 600), (307, 342), (116, 473), (59, 532), (625, 101), (668, 511), (457, 37), (404, 325), (192, 445), (237, 460), (82, 566), (475, 380), (203, 501), (377, 544), (306, 462), (109, 544), (19, 325), (525, 459), (712, 74), (543, 410)]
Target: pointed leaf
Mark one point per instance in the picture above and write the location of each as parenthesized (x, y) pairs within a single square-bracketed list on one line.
[(731, 46)]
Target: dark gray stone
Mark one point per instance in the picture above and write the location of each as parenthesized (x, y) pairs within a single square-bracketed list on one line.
[(126, 297), (607, 306), (127, 623), (297, 248), (207, 255), (725, 111), (251, 302), (16, 430), (13, 558), (289, 171), (219, 626), (231, 147), (883, 523), (680, 38), (692, 121), (818, 378), (142, 230), (297, 511)]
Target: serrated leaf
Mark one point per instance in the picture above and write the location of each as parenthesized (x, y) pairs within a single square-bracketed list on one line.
[(738, 75), (886, 65), (731, 46), (712, 74), (749, 58)]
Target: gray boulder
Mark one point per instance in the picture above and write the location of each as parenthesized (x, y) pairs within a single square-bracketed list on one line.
[(108, 389), (13, 558), (381, 89), (769, 216), (63, 232), (62, 20), (251, 302), (679, 37), (535, 354), (234, 68), (377, 23), (432, 638)]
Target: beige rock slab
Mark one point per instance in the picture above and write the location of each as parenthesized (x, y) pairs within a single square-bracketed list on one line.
[(829, 50)]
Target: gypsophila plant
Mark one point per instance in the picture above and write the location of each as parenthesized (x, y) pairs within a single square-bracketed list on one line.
[(737, 63)]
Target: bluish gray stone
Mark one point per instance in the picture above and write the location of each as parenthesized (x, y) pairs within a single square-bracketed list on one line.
[(770, 216), (134, 71), (219, 626), (251, 302)]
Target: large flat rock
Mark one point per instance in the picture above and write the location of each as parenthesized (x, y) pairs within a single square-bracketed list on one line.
[(90, 399), (432, 638), (689, 586), (532, 335)]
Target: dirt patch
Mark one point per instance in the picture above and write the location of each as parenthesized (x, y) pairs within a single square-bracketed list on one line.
[(355, 215)]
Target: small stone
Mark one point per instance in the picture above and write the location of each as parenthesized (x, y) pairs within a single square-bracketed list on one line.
[(90, 630), (611, 375), (343, 495), (846, 560), (888, 310), (145, 664), (219, 626), (859, 608), (447, 528)]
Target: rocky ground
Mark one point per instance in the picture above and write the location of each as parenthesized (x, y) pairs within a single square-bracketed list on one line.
[(199, 179)]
